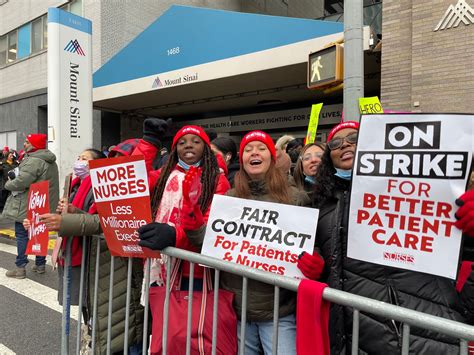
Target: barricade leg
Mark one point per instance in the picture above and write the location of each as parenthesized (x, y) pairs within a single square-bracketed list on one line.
[(147, 301), (127, 305), (243, 318), (94, 303), (215, 311), (463, 350), (111, 297), (66, 316), (81, 295), (167, 305), (190, 309), (406, 339), (355, 332), (276, 319)]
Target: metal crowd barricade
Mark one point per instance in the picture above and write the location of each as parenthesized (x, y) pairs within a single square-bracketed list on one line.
[(409, 318)]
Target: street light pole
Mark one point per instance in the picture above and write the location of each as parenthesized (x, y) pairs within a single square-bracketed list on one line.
[(353, 58)]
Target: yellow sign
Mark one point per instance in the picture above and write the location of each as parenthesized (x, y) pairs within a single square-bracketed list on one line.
[(370, 105), (313, 123)]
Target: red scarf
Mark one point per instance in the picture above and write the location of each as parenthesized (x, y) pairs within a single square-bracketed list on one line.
[(312, 319), (78, 201)]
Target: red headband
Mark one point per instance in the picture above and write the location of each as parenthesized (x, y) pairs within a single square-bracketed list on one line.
[(343, 125), (196, 130), (257, 136)]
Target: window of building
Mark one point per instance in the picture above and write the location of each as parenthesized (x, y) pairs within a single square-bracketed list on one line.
[(74, 7), (3, 50), (45, 31), (30, 38), (12, 48), (37, 35), (8, 139), (24, 41)]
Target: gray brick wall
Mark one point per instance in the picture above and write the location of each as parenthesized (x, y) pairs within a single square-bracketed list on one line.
[(432, 69)]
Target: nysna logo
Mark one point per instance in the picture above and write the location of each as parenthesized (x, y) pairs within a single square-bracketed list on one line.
[(157, 83), (74, 47), (454, 15)]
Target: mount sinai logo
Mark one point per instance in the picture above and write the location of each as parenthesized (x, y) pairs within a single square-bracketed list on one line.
[(184, 79), (454, 15), (74, 47)]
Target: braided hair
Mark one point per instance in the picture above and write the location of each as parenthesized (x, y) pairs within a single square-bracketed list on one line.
[(209, 176)]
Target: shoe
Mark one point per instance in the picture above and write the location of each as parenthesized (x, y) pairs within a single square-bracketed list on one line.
[(18, 273), (41, 269)]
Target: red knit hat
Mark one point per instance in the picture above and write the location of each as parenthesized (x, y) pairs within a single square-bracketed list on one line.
[(257, 136), (196, 130), (37, 140), (341, 126)]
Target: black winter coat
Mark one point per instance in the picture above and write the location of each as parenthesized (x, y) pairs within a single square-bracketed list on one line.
[(414, 290)]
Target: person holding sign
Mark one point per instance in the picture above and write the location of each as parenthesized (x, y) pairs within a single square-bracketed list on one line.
[(38, 164), (307, 166), (183, 192), (422, 292), (260, 179)]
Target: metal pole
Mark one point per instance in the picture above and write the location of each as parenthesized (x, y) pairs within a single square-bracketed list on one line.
[(147, 301), (355, 331), (353, 58), (190, 308), (66, 317), (81, 295), (243, 317), (127, 305), (111, 297), (167, 305), (276, 319), (215, 311), (96, 296)]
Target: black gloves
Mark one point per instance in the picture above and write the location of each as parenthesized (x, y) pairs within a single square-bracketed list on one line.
[(157, 236), (11, 174), (154, 129)]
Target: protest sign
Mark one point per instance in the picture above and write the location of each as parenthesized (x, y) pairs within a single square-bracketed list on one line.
[(263, 235), (38, 204), (408, 171), (120, 187), (370, 105), (313, 123)]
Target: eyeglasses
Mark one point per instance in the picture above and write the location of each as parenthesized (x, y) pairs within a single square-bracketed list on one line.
[(337, 143), (307, 157)]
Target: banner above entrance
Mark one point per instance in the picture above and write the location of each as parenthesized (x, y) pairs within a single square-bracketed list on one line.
[(193, 60)]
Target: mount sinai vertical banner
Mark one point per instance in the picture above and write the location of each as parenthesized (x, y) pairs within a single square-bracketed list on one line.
[(69, 86)]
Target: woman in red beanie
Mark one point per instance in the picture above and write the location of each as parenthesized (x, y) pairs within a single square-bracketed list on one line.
[(177, 222), (259, 179)]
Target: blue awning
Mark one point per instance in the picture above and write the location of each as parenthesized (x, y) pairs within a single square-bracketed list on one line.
[(189, 36)]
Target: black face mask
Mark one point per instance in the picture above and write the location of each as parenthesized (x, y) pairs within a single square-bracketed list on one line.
[(294, 154)]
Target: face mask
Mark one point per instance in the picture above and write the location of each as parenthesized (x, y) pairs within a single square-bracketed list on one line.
[(343, 174), (186, 166), (310, 179), (81, 169)]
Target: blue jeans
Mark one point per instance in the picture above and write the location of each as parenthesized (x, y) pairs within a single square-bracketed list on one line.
[(21, 235), (259, 335)]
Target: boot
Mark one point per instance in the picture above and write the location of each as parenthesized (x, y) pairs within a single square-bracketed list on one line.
[(17, 273), (38, 269)]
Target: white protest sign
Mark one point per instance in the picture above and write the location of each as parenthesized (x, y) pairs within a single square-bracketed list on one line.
[(408, 171), (263, 235)]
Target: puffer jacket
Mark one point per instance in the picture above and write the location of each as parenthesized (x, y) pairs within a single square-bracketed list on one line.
[(35, 167), (87, 224), (421, 292), (260, 295)]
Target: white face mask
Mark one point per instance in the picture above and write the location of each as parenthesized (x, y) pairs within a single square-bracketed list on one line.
[(81, 169)]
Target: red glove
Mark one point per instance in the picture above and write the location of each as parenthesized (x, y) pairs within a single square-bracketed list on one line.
[(311, 265), (465, 213), (191, 215)]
